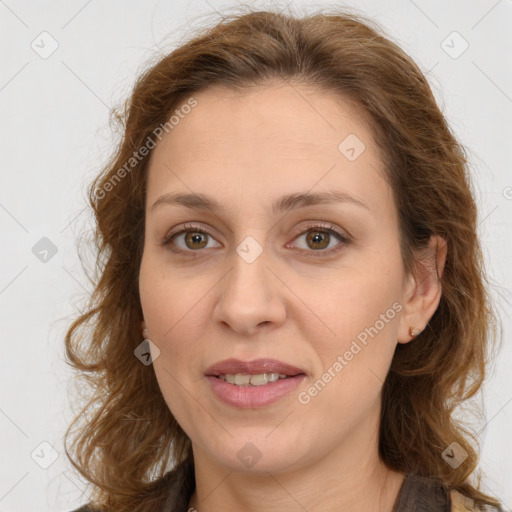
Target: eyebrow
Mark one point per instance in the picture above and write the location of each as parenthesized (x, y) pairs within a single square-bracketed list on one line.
[(283, 204)]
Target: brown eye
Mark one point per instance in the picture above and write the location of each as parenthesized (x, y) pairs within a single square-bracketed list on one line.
[(189, 239), (195, 240), (318, 239)]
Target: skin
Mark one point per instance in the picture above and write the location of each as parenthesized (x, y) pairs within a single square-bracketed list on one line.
[(292, 304)]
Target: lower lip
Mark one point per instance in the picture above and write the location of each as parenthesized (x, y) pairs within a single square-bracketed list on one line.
[(250, 397)]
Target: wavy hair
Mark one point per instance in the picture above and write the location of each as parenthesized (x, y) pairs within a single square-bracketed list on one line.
[(125, 437)]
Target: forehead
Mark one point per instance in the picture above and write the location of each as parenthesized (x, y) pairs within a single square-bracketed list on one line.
[(276, 114), (281, 135)]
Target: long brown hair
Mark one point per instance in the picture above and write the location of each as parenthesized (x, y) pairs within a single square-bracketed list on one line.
[(126, 437)]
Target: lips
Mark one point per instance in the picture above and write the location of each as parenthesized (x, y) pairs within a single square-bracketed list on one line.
[(258, 366), (271, 380)]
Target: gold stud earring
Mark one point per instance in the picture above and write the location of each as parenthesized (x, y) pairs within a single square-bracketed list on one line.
[(413, 332)]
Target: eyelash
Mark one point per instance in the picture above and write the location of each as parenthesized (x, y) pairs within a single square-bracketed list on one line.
[(321, 227)]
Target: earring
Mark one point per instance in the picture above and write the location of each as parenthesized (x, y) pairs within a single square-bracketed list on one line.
[(414, 332), (145, 333)]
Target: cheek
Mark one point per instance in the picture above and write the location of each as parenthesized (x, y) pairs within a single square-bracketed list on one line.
[(355, 363), (175, 311), (359, 297), (362, 313), (169, 302)]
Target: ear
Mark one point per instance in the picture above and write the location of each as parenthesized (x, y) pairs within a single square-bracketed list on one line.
[(422, 289), (142, 327)]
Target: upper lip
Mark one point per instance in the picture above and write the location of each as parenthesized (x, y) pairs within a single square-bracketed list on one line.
[(234, 366)]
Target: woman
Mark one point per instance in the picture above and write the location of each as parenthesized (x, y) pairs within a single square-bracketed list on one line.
[(291, 294)]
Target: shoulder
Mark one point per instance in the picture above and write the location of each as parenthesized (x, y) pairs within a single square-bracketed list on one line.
[(423, 494), (170, 492), (461, 503)]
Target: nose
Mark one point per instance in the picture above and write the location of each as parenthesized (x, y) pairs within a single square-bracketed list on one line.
[(251, 297)]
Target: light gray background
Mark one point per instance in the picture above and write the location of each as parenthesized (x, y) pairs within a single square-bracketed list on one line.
[(55, 137)]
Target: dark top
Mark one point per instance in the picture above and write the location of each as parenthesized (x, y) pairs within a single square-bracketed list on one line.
[(417, 494)]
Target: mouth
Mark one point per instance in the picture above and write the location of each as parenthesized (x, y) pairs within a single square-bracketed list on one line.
[(252, 373), (251, 384), (258, 379)]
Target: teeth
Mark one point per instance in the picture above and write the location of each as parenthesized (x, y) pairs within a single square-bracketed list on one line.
[(260, 379), (242, 380)]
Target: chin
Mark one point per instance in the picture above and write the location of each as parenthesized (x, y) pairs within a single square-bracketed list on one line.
[(255, 454)]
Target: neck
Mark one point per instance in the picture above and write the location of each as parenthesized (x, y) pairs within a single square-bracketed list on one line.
[(352, 477)]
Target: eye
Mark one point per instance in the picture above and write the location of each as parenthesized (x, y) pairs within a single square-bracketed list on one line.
[(319, 237), (195, 238)]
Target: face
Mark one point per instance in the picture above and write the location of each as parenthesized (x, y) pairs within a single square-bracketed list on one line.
[(268, 283)]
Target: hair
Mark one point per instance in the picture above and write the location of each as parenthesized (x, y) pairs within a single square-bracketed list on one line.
[(125, 438)]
